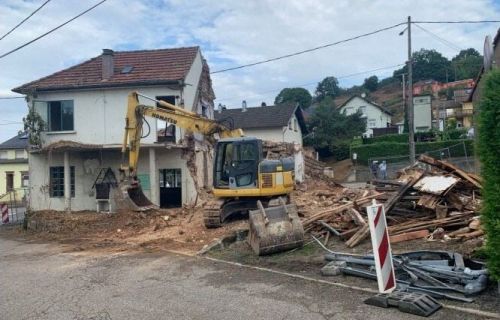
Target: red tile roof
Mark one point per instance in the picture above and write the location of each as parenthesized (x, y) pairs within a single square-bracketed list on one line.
[(150, 67)]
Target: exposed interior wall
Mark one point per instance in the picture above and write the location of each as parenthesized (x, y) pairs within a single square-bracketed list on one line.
[(87, 165)]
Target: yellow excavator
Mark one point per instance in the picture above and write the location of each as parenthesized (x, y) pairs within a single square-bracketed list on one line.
[(243, 181)]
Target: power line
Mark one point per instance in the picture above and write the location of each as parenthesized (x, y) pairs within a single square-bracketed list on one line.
[(8, 124), (309, 50), (458, 22), (444, 41), (312, 83), (52, 30), (24, 20), (7, 98)]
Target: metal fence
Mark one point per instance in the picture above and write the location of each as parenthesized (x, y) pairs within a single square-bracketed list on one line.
[(456, 154), (13, 203)]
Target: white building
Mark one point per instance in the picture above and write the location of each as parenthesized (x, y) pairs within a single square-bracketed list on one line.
[(84, 109), (376, 115), (280, 123), (422, 110)]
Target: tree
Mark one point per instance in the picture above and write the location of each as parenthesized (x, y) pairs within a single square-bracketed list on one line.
[(428, 64), (466, 64), (328, 87), (332, 131), (295, 95), (489, 153), (371, 83)]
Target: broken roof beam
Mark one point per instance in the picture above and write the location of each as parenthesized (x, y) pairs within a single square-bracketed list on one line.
[(396, 196), (448, 167)]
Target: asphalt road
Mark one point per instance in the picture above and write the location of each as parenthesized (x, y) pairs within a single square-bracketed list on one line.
[(46, 281)]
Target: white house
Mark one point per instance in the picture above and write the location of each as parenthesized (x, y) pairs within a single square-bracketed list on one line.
[(280, 123), (84, 109), (376, 115)]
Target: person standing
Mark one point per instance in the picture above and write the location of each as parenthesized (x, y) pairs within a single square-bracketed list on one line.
[(374, 169), (382, 169)]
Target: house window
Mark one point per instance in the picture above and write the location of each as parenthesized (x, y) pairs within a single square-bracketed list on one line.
[(60, 115), (25, 179), (204, 111), (20, 154), (295, 124), (57, 181), (290, 125), (372, 123), (362, 109), (349, 110), (4, 155), (168, 99)]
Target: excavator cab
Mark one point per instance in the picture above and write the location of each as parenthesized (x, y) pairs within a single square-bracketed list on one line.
[(237, 163)]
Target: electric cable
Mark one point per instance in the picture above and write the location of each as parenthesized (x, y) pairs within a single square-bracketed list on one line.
[(25, 19), (52, 30)]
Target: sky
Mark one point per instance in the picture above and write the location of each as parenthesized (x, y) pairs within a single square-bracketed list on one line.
[(233, 33)]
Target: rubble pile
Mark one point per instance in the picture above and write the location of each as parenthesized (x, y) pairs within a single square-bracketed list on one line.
[(433, 200)]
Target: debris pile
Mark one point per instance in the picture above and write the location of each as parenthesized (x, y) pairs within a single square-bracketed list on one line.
[(439, 203), (433, 200), (328, 208)]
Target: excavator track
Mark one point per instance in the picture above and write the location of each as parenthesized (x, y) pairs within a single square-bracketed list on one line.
[(211, 214)]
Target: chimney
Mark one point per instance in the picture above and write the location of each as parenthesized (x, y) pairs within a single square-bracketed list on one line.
[(107, 64), (243, 106)]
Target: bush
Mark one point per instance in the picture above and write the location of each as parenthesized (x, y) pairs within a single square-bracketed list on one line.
[(489, 153), (402, 138), (393, 149)]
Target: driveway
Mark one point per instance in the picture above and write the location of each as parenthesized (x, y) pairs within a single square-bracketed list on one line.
[(49, 281)]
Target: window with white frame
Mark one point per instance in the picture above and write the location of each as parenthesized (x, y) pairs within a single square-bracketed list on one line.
[(4, 154), (362, 109), (295, 127), (372, 123)]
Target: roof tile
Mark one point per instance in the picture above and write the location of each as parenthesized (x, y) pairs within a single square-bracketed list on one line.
[(149, 66)]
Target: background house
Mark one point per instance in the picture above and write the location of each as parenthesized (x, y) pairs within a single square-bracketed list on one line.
[(376, 115), (422, 113), (280, 123), (14, 167), (84, 108)]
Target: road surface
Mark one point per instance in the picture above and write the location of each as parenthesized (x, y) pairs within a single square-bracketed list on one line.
[(47, 281)]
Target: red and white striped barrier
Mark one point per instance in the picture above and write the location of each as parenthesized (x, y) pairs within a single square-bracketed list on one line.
[(381, 248), (5, 213)]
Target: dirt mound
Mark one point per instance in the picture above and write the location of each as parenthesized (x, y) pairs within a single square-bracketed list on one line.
[(179, 229)]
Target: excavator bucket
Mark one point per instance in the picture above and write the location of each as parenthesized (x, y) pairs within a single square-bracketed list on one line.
[(275, 229), (134, 198)]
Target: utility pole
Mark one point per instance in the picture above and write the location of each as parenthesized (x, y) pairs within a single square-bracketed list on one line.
[(405, 110), (410, 114)]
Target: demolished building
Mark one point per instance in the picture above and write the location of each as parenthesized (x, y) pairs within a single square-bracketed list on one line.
[(83, 108)]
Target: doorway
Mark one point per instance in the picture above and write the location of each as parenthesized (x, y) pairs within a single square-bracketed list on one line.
[(9, 177), (170, 188)]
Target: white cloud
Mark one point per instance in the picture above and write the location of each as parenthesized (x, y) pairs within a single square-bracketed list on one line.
[(233, 33)]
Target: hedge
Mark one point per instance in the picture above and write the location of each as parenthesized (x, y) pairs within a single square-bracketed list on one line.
[(401, 138), (394, 149), (489, 154)]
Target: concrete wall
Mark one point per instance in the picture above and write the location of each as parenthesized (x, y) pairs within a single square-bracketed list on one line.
[(375, 117), (87, 166), (422, 113), (278, 134)]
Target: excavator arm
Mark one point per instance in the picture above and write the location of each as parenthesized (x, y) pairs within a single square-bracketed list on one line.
[(169, 113)]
